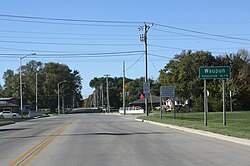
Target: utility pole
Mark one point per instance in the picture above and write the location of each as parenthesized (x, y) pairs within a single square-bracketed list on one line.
[(58, 97), (63, 111), (97, 97), (94, 98), (231, 101), (124, 104), (143, 38), (102, 95), (107, 83)]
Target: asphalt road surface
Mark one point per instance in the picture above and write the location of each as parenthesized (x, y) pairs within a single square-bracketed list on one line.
[(93, 139)]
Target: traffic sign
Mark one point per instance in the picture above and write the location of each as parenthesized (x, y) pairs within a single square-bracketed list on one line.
[(215, 72), (167, 91), (146, 87)]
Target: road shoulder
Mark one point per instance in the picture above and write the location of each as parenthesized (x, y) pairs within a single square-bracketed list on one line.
[(200, 132)]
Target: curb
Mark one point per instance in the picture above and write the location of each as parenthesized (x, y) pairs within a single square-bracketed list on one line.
[(200, 132)]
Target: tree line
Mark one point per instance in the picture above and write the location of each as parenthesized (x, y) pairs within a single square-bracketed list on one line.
[(183, 72), (48, 77)]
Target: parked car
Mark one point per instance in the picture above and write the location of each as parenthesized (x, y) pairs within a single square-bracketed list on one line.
[(9, 114)]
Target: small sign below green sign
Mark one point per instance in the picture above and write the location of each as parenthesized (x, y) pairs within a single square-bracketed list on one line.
[(215, 72)]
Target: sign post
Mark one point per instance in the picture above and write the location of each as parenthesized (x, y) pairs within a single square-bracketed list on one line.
[(146, 91), (214, 72), (167, 91), (205, 103), (223, 97)]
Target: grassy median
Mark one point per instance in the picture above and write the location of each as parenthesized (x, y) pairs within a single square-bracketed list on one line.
[(238, 123)]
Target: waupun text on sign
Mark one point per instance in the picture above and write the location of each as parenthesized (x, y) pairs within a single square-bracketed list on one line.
[(215, 72)]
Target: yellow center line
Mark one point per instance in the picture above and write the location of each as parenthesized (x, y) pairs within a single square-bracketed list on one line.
[(28, 160), (26, 157)]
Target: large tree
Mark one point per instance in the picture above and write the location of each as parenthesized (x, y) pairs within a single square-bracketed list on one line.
[(183, 72), (1, 91), (49, 75), (239, 84), (11, 84)]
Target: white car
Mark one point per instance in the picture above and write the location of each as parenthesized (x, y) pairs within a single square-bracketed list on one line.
[(9, 114)]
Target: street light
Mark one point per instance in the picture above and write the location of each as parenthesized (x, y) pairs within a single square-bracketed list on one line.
[(58, 88), (36, 94), (107, 83), (21, 86)]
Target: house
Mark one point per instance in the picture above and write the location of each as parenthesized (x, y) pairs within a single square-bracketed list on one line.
[(153, 101), (9, 104)]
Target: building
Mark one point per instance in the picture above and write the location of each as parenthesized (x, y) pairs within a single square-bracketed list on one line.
[(153, 101), (9, 104)]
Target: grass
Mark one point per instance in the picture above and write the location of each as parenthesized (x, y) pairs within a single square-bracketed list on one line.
[(4, 121), (7, 121), (238, 123)]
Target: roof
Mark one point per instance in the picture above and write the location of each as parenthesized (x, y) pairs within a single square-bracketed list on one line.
[(5, 99), (155, 99), (8, 105)]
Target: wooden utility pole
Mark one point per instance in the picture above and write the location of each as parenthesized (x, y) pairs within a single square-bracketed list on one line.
[(143, 38)]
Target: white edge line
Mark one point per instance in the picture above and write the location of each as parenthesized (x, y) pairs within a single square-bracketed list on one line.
[(200, 132)]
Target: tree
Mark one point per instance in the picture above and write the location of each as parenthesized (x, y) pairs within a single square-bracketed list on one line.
[(49, 75), (11, 84), (1, 91), (115, 89), (239, 84), (183, 72), (135, 88)]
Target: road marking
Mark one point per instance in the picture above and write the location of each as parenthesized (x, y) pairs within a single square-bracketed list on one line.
[(26, 157)]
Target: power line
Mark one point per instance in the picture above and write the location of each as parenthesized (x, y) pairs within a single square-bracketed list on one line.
[(60, 33), (67, 38), (29, 50), (176, 48), (77, 44), (153, 64), (160, 46), (203, 33), (60, 23), (160, 56), (113, 22), (70, 20), (134, 63), (201, 37), (49, 51), (76, 55)]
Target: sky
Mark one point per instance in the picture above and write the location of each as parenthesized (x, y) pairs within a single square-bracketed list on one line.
[(96, 36)]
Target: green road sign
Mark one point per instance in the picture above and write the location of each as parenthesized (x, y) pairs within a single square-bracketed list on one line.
[(215, 72)]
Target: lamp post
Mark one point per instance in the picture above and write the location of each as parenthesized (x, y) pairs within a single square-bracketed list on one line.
[(36, 93), (58, 88), (107, 83), (21, 86)]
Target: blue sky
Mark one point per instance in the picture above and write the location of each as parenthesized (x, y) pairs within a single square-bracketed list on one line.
[(227, 18)]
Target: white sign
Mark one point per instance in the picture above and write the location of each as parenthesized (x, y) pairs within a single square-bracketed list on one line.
[(167, 91), (146, 87)]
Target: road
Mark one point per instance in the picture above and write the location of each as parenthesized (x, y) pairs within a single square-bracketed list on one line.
[(93, 139)]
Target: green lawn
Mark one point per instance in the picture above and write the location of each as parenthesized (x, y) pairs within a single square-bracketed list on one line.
[(238, 123), (5, 121)]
